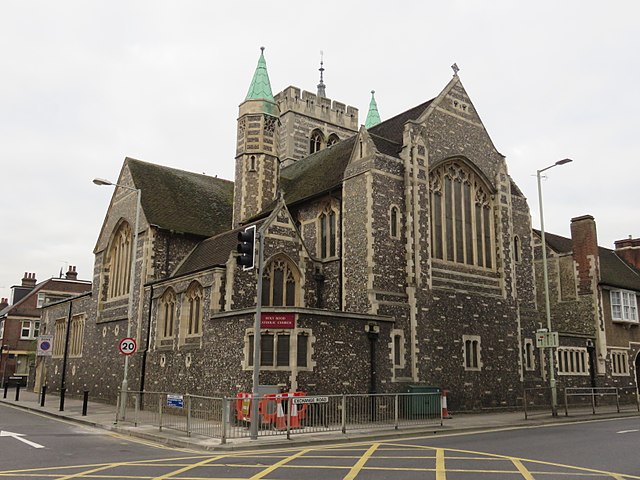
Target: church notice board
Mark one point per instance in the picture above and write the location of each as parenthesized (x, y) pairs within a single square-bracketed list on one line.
[(278, 320)]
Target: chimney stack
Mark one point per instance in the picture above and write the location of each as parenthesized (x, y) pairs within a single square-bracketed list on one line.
[(584, 238), (4, 303), (629, 250), (29, 280), (71, 274)]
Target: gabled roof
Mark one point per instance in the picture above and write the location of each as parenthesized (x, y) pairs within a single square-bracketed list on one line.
[(182, 201), (614, 271), (21, 306)]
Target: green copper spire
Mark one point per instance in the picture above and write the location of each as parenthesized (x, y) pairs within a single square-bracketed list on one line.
[(260, 88), (373, 117)]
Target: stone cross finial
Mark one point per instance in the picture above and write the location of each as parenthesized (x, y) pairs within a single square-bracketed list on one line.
[(455, 69)]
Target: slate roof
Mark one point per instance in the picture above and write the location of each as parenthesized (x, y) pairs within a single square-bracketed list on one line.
[(614, 271), (393, 128), (181, 201)]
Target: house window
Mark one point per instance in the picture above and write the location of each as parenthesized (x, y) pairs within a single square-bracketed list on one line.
[(333, 139), (572, 361), (1, 330), (328, 233), (461, 217), (280, 283), (315, 142), (41, 297), (619, 363), (167, 310), (60, 329), (119, 262), (394, 222), (76, 334), (29, 330), (471, 352), (528, 355), (192, 311), (624, 306), (278, 350)]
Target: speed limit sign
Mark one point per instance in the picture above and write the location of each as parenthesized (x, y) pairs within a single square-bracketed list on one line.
[(127, 346)]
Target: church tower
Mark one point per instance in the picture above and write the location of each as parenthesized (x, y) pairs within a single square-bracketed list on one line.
[(257, 164)]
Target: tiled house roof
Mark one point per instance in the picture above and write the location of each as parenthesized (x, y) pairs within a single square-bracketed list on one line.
[(181, 201), (614, 271)]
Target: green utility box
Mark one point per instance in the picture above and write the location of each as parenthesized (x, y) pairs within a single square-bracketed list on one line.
[(426, 404)]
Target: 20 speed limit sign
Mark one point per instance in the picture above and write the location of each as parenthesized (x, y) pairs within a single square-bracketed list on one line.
[(127, 346)]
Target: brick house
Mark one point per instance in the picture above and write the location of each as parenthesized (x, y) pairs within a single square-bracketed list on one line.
[(397, 254), (593, 292), (20, 320)]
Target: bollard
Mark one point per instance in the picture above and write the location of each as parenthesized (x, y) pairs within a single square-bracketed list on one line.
[(43, 394), (85, 400), (62, 392), (17, 392), (6, 389)]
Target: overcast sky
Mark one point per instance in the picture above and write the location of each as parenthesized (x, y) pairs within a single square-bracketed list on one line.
[(86, 83)]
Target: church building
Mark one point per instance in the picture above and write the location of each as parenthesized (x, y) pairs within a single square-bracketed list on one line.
[(395, 253)]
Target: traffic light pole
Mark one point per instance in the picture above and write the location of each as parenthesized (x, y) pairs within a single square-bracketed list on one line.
[(256, 340)]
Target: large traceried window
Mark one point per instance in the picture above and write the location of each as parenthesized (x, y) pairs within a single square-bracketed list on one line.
[(462, 222), (119, 261), (280, 283), (328, 233), (166, 314)]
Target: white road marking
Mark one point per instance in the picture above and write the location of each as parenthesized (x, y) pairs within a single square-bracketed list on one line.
[(18, 436), (628, 431)]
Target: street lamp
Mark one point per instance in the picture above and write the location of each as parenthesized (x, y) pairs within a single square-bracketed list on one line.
[(125, 381), (552, 375)]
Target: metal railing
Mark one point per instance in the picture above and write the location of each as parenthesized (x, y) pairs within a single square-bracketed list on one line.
[(281, 414), (537, 401), (601, 399)]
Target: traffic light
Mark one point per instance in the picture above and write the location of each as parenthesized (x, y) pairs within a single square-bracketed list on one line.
[(246, 247)]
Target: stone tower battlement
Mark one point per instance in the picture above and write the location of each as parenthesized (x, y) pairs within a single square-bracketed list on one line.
[(320, 108)]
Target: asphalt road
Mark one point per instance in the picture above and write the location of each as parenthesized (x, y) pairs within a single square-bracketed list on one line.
[(587, 450)]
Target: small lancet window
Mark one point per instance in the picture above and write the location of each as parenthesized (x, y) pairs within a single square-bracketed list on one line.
[(252, 163)]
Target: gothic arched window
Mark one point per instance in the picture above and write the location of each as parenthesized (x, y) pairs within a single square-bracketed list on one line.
[(119, 262), (166, 314), (462, 221), (333, 139), (316, 141), (328, 233), (192, 317), (280, 283)]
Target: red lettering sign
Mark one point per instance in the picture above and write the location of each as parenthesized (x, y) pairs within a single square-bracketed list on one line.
[(278, 320)]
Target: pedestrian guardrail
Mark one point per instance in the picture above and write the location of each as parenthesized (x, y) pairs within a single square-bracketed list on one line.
[(280, 414), (601, 399)]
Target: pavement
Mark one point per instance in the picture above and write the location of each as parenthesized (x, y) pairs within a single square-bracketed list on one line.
[(103, 415)]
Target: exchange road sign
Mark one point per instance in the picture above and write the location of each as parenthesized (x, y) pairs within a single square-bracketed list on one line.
[(307, 400), (127, 346)]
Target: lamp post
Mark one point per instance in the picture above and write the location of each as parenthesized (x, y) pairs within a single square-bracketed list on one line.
[(552, 375), (125, 380)]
